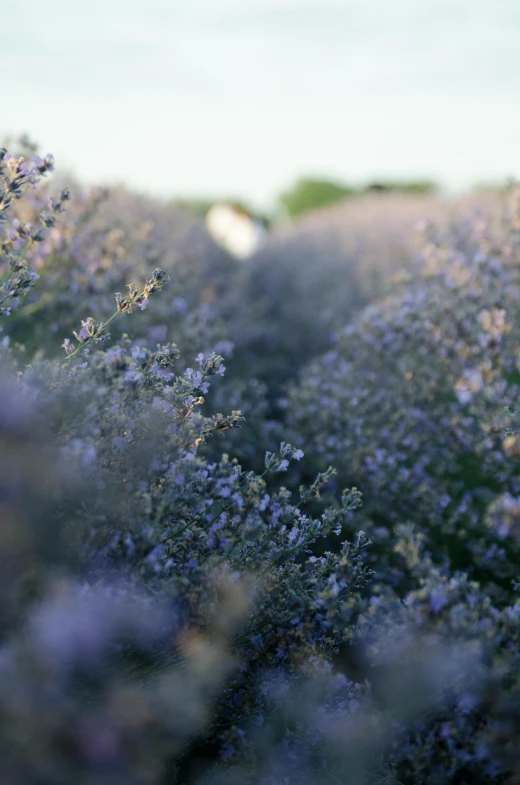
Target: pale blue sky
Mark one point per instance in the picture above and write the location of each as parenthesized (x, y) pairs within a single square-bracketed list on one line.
[(198, 97)]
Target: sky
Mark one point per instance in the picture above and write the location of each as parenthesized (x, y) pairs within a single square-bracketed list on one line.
[(241, 97)]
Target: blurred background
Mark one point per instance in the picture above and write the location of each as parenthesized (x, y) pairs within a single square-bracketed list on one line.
[(277, 106)]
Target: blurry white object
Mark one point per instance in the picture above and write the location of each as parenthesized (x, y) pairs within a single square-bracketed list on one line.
[(235, 229)]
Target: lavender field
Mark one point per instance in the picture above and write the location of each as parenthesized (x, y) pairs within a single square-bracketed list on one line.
[(259, 518)]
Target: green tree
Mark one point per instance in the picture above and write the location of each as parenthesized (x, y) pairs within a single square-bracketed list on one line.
[(310, 194), (403, 187)]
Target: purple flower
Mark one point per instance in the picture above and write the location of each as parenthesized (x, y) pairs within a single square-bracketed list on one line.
[(438, 600)]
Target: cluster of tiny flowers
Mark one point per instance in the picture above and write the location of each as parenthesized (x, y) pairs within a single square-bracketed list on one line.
[(91, 329), (135, 297), (279, 463)]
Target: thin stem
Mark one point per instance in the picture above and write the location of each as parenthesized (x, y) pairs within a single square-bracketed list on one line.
[(28, 244), (21, 260)]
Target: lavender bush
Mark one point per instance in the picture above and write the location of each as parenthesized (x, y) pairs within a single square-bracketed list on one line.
[(410, 403), (187, 597)]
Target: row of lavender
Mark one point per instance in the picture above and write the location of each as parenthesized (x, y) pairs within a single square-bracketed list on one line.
[(416, 404), (170, 614)]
